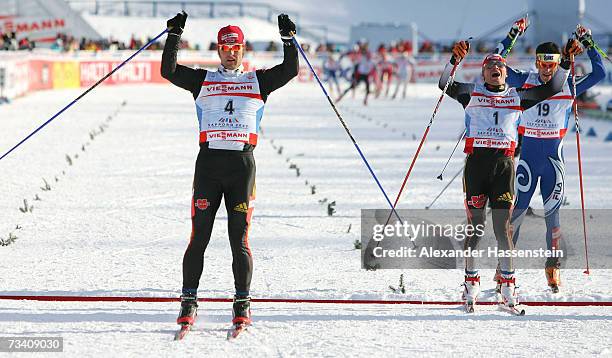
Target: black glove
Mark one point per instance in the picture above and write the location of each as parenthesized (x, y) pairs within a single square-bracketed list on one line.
[(176, 24), (584, 36), (286, 27)]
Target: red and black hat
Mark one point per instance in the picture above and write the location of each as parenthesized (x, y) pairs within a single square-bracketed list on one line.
[(230, 35), (492, 58)]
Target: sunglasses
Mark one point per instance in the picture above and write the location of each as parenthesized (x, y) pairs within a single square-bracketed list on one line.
[(232, 47), (547, 65), (489, 65)]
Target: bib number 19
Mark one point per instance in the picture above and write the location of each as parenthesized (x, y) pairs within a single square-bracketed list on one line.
[(543, 109)]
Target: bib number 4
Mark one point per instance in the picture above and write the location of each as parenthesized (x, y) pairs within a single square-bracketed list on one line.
[(229, 107)]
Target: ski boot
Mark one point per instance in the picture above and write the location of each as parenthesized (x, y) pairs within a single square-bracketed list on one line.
[(189, 310), (553, 275), (471, 289), (242, 316), (242, 310), (508, 291), (509, 299)]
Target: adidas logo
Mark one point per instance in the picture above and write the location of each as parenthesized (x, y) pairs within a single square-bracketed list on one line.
[(241, 208), (506, 197)]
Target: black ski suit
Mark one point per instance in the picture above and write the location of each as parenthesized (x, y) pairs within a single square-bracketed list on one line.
[(223, 173)]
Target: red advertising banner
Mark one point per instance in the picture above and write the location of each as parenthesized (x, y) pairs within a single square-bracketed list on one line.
[(39, 75), (131, 72), (47, 70)]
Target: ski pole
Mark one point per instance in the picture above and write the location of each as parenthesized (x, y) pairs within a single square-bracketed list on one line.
[(444, 189), (601, 52), (84, 93), (507, 52), (452, 153), (346, 129), (575, 107)]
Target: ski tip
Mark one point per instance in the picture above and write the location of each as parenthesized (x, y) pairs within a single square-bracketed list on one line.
[(182, 332), (518, 311), (469, 307), (514, 310), (235, 330)]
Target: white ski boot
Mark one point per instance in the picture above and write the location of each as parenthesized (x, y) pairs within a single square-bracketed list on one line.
[(471, 289), (508, 291), (509, 299)]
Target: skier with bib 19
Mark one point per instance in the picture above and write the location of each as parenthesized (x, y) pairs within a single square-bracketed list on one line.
[(492, 110), (229, 105), (543, 128)]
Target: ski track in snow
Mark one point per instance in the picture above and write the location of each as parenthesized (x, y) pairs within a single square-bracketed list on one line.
[(117, 221)]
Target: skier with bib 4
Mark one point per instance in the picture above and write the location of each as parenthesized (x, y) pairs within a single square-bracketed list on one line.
[(229, 104)]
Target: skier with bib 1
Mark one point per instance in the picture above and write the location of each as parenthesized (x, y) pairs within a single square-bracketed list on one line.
[(229, 104), (492, 110), (543, 128)]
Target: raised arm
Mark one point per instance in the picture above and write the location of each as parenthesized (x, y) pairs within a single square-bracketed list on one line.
[(598, 71), (179, 75), (461, 92), (516, 78), (278, 76)]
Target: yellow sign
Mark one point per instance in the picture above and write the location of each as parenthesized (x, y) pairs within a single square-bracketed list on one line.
[(66, 75)]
